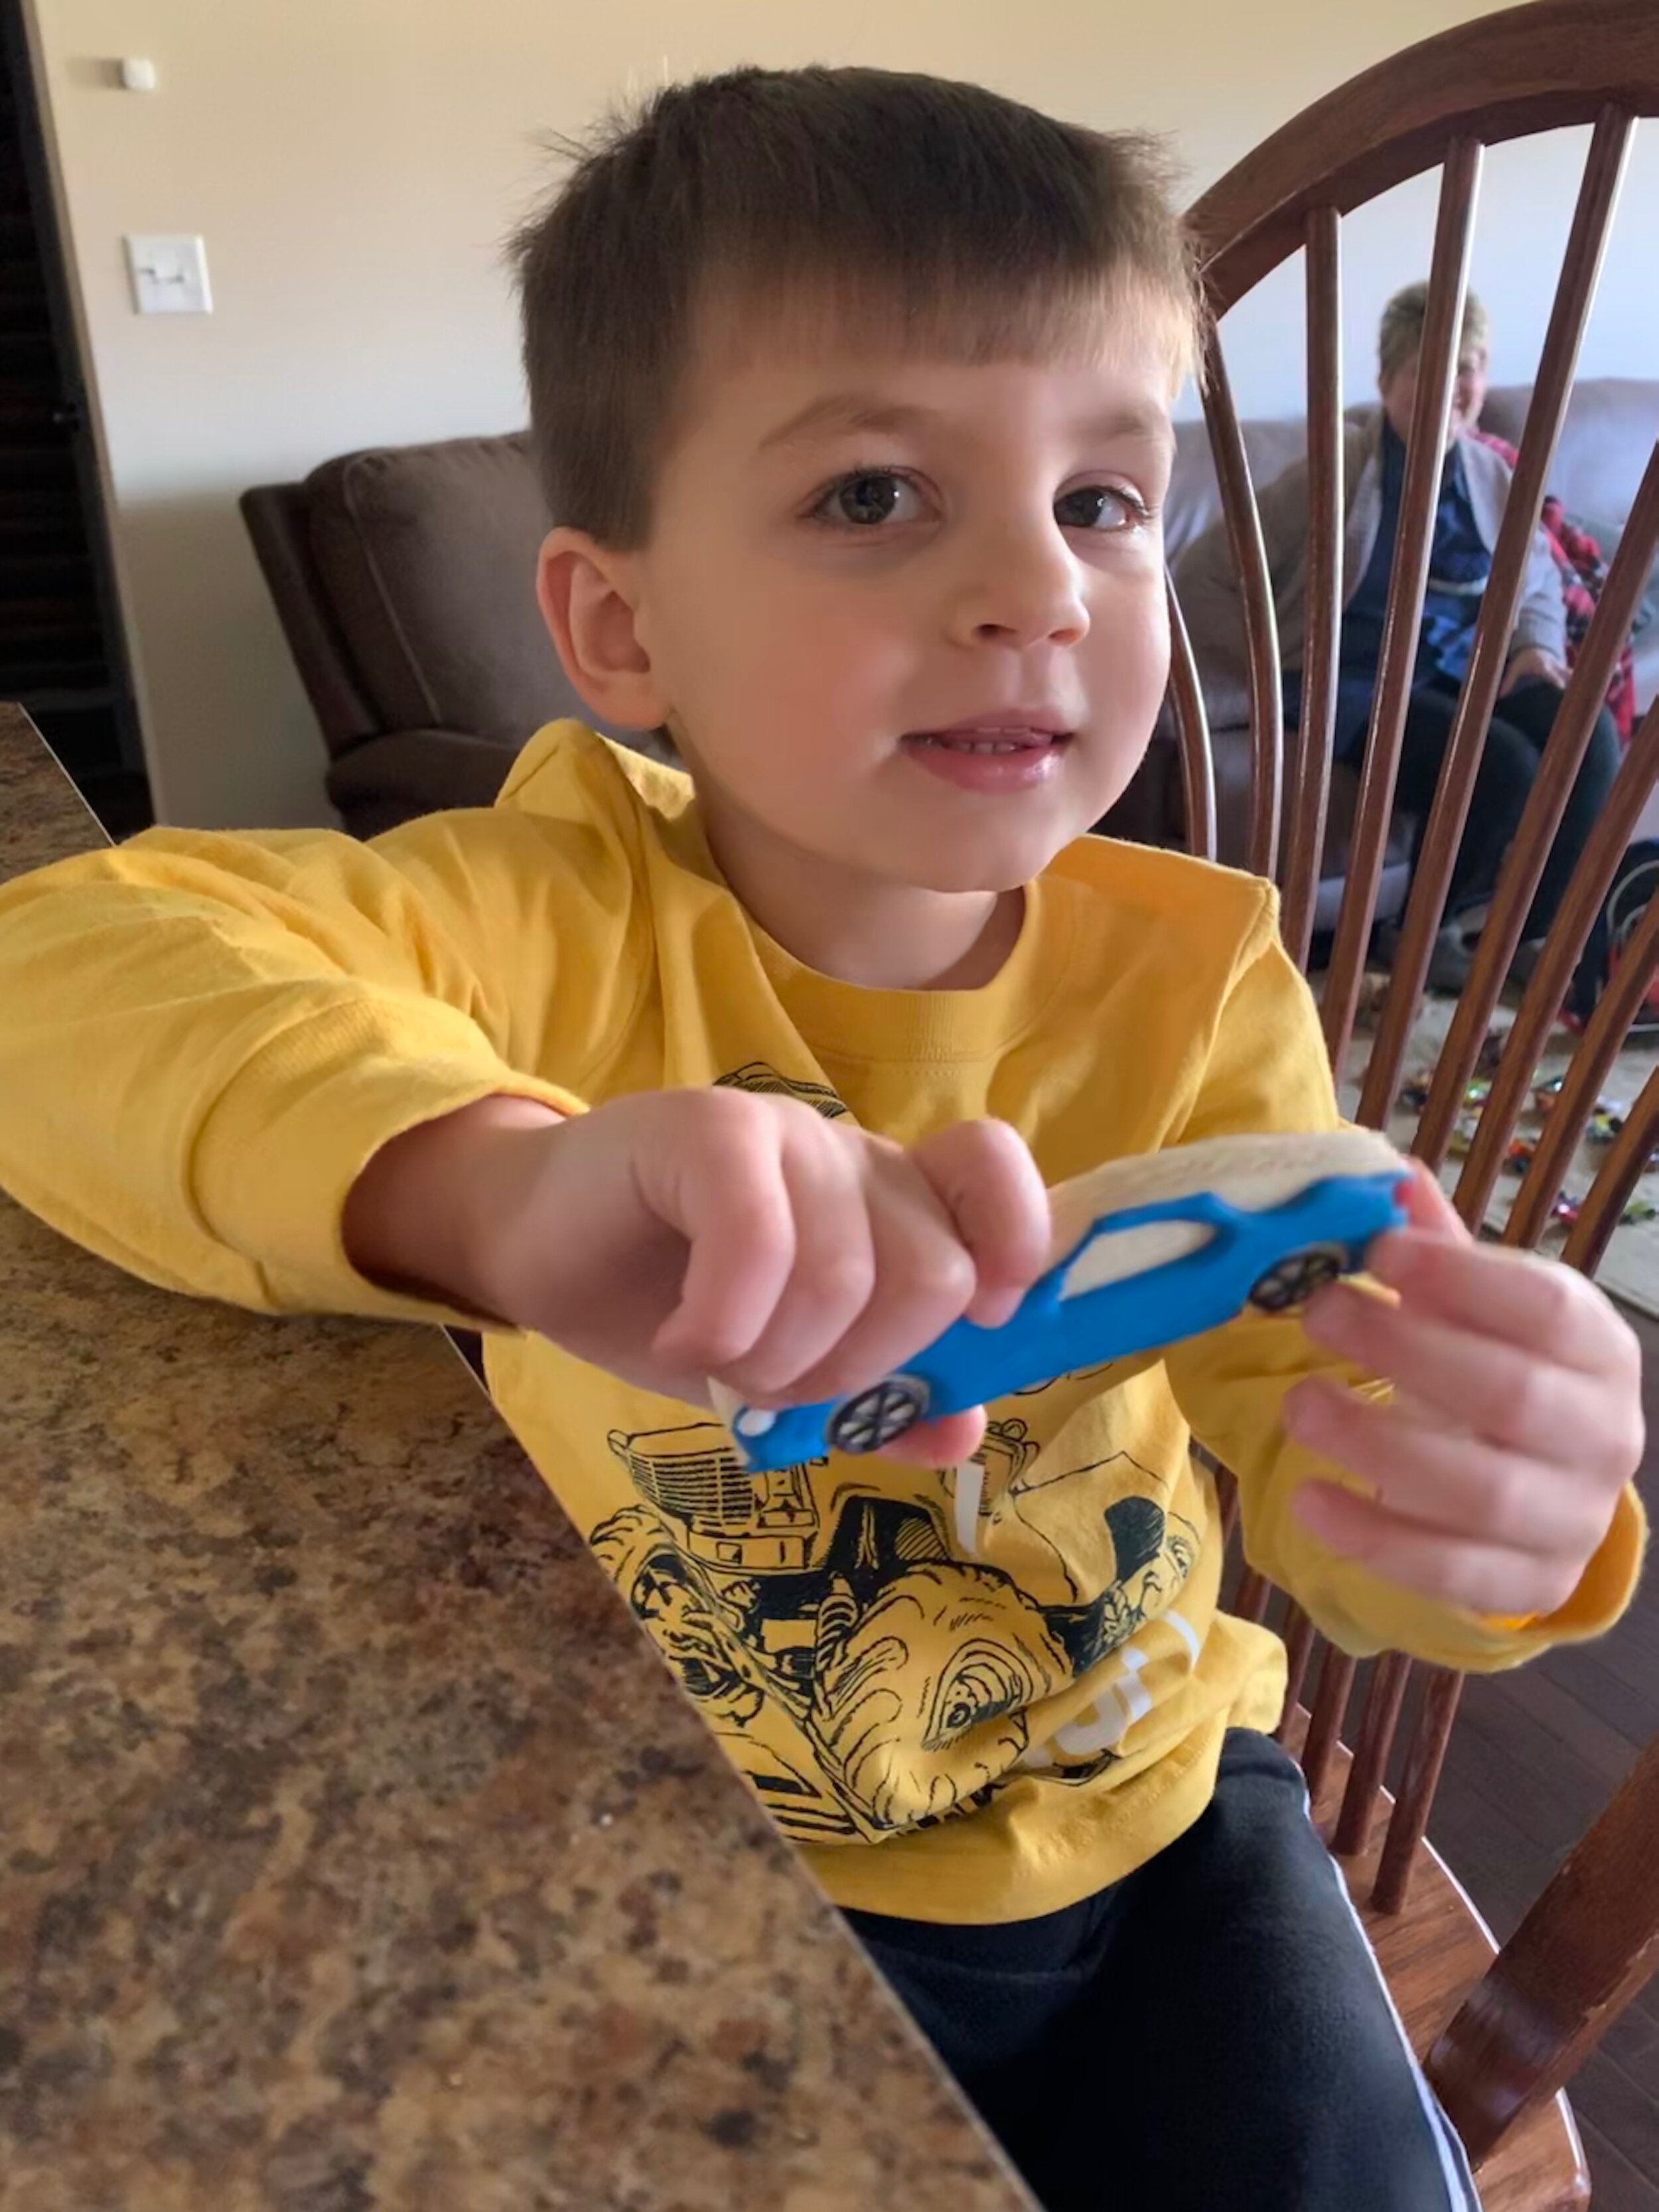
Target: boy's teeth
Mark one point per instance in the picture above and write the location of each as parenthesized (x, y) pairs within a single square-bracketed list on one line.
[(986, 744)]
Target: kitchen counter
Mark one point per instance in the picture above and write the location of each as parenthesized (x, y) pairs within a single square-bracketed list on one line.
[(356, 1849)]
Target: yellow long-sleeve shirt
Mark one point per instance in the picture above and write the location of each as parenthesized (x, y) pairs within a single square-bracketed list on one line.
[(970, 1694)]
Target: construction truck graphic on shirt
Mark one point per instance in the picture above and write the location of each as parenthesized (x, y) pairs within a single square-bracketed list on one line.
[(869, 1640)]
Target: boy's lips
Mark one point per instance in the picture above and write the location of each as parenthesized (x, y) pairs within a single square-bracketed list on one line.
[(991, 753)]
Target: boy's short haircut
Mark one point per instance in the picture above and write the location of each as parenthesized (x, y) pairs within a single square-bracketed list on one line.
[(947, 217), (1400, 334)]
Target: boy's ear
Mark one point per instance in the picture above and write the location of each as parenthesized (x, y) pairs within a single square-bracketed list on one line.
[(586, 593)]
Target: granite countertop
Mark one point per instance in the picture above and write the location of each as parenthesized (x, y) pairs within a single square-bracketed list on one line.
[(355, 1851)]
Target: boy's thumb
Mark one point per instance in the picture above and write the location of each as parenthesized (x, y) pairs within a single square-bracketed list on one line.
[(1430, 1209)]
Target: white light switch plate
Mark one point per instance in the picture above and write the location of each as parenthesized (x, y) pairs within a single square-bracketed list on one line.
[(169, 276)]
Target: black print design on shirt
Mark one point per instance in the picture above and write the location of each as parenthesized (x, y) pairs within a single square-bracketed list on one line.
[(759, 1079), (865, 1677)]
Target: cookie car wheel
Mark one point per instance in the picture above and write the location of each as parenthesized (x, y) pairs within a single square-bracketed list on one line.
[(876, 1417), (1293, 1280)]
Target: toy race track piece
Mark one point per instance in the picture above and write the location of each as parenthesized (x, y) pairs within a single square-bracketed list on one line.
[(1147, 1252)]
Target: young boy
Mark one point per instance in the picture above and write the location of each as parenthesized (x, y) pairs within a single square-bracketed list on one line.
[(853, 393)]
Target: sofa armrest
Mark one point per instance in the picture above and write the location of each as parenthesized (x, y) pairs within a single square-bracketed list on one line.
[(391, 779), (277, 520)]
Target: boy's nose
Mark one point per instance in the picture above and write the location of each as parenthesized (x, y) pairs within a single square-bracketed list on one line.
[(1021, 590)]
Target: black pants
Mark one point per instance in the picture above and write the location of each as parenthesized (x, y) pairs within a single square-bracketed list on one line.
[(1516, 738), (1209, 2035)]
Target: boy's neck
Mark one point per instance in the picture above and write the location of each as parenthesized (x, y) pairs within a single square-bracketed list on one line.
[(880, 935)]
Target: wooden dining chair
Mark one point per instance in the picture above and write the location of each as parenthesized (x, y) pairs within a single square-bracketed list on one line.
[(1502, 2029)]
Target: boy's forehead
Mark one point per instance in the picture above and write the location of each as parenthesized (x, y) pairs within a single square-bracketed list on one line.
[(791, 375)]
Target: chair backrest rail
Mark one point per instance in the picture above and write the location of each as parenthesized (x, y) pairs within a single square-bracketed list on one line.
[(1442, 832), (1192, 730), (1327, 492), (1589, 886), (1513, 74), (1243, 520), (1616, 1178), (1408, 588)]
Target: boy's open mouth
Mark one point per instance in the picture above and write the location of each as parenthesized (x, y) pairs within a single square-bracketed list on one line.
[(990, 755)]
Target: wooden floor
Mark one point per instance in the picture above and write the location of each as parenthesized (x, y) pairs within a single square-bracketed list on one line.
[(1534, 1758)]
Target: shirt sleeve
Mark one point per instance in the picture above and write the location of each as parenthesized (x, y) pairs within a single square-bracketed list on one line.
[(1268, 1070), (205, 1039), (1542, 619)]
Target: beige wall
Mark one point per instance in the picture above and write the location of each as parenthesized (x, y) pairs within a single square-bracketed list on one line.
[(353, 165)]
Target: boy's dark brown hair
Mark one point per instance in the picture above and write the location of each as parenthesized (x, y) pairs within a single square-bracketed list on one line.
[(944, 213)]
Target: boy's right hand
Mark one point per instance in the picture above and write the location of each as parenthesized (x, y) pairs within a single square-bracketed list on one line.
[(679, 1235)]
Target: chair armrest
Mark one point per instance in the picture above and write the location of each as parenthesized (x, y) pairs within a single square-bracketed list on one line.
[(1586, 1948)]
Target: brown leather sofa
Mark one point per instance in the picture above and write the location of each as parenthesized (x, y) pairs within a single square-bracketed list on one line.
[(404, 579)]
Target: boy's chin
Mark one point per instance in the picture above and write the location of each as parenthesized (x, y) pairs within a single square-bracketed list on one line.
[(1002, 859)]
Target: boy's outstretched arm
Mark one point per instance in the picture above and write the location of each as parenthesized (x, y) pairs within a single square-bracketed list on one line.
[(202, 1040), (300, 1073)]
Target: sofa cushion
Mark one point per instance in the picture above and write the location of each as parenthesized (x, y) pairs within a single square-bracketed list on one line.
[(1613, 423), (1610, 429), (1612, 426), (1195, 497), (428, 553)]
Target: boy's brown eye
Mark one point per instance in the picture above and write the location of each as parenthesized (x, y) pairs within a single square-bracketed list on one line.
[(871, 497), (1098, 506)]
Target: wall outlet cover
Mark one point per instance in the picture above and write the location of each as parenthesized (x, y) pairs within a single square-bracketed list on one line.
[(169, 275)]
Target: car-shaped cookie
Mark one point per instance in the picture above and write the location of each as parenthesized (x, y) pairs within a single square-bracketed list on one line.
[(1149, 1250)]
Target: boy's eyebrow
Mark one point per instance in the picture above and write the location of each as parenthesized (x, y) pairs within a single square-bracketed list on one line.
[(867, 411), (847, 410)]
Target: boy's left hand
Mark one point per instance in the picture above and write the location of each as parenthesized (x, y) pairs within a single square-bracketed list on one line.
[(1516, 1422)]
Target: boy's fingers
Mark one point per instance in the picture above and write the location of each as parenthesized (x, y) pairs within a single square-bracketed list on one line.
[(1430, 1208), (727, 1194), (923, 1277), (990, 1186), (944, 1443), (1548, 1309), (1459, 1485), (1431, 1219), (833, 1274), (1490, 1388), (1477, 1574)]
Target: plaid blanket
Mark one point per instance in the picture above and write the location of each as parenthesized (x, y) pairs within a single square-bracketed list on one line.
[(1583, 572)]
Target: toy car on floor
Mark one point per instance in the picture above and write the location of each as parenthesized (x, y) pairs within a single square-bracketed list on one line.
[(1637, 1210), (1148, 1251)]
